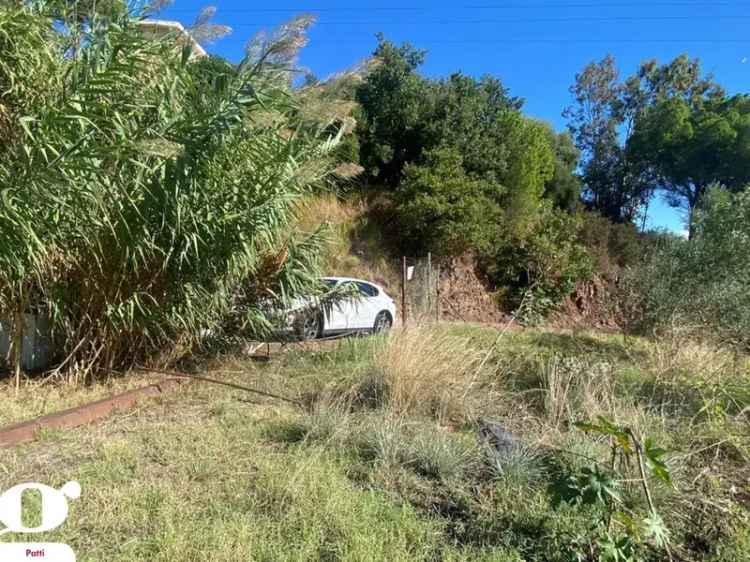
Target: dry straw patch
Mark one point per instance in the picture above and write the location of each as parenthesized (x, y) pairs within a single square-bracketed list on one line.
[(678, 356), (356, 248), (328, 208), (572, 388), (426, 371)]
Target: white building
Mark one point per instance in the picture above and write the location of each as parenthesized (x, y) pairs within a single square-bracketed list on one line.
[(159, 28)]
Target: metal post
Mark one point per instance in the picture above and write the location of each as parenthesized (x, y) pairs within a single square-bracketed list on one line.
[(437, 294), (404, 314)]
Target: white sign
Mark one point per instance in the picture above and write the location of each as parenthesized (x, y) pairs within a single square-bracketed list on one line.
[(54, 514), (49, 552), (409, 273)]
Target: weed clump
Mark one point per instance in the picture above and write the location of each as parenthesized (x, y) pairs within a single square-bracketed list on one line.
[(426, 372)]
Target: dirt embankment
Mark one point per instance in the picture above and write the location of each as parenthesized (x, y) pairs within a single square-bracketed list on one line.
[(465, 295), (592, 304)]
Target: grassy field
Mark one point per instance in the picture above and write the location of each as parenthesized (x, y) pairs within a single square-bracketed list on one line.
[(384, 459), (41, 397)]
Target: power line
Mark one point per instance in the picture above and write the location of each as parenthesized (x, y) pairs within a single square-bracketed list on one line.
[(526, 20), (547, 40), (481, 21), (419, 41), (321, 9), (670, 4)]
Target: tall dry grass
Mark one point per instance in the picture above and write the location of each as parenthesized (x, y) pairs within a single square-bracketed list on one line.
[(356, 247), (327, 208), (572, 388), (429, 372), (676, 355)]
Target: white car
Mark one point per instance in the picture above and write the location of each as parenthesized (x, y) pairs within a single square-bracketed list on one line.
[(369, 310)]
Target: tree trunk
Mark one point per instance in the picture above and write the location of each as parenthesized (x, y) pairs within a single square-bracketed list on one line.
[(644, 223)]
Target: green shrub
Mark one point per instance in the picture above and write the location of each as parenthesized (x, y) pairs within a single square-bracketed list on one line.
[(147, 196), (436, 453), (519, 466), (422, 447), (598, 490), (539, 266), (442, 209), (611, 246), (700, 285)]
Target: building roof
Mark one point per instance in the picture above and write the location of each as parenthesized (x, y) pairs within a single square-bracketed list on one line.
[(159, 28)]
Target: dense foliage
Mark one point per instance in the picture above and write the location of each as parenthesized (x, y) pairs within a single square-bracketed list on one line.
[(612, 246), (442, 209), (693, 144), (535, 268), (392, 101), (564, 189), (666, 128), (147, 195), (700, 286), (468, 171)]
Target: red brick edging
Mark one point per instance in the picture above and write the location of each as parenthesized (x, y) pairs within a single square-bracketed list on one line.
[(82, 415)]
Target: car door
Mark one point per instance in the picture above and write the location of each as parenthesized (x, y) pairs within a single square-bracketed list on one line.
[(363, 316), (352, 307), (346, 310), (337, 315)]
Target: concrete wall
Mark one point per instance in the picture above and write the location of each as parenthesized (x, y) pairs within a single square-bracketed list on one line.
[(37, 342)]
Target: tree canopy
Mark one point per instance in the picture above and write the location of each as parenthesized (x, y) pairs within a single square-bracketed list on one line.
[(620, 172), (691, 145), (394, 113), (444, 210), (467, 169)]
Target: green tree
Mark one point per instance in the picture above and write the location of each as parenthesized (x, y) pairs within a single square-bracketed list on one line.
[(564, 188), (442, 209), (681, 78), (692, 144), (470, 116), (394, 110), (618, 183), (404, 115), (611, 185), (470, 171), (530, 167)]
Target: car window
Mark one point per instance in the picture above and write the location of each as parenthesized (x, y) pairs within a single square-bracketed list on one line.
[(367, 290)]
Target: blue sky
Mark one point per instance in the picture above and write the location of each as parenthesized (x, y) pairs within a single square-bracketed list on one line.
[(535, 46)]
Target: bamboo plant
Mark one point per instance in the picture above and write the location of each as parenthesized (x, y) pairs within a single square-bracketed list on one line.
[(144, 189)]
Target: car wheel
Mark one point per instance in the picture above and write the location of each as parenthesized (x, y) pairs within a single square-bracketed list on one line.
[(383, 323), (309, 327)]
